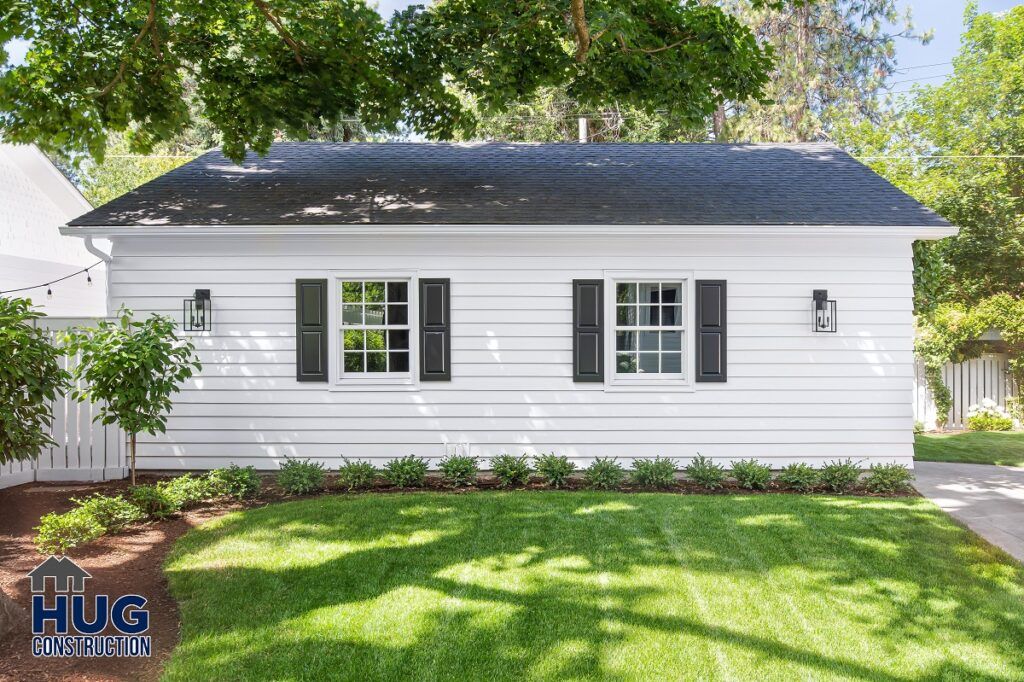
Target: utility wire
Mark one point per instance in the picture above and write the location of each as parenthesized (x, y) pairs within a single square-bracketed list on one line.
[(61, 279)]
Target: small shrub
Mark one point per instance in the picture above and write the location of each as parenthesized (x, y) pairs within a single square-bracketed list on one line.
[(113, 513), (458, 470), (839, 476), (301, 477), (154, 500), (988, 416), (189, 490), (751, 474), (235, 481), (604, 473), (510, 470), (554, 469), (888, 478), (800, 476), (918, 428), (659, 472), (57, 533), (357, 475), (406, 472), (704, 472)]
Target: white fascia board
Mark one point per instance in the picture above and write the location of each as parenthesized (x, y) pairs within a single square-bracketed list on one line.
[(378, 230)]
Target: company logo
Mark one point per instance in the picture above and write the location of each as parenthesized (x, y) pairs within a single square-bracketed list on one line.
[(74, 632)]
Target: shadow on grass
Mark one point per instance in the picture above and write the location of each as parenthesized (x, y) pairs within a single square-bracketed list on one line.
[(588, 585)]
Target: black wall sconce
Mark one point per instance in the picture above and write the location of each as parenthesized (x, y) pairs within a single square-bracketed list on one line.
[(824, 309), (197, 313)]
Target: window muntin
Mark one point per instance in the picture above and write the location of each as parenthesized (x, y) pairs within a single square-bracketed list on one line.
[(649, 328), (375, 330)]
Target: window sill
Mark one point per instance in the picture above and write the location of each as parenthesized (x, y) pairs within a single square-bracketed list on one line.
[(407, 383), (652, 386)]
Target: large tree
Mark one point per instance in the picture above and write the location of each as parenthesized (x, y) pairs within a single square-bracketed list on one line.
[(835, 59), (958, 147), (261, 66)]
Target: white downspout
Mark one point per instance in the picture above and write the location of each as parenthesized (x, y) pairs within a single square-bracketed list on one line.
[(107, 260)]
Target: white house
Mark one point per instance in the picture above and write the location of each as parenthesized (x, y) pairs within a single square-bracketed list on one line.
[(372, 301), (35, 200)]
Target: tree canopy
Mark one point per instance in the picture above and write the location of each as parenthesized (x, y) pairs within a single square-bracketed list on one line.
[(261, 66)]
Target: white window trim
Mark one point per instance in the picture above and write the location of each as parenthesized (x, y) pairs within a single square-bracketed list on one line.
[(649, 382), (338, 380)]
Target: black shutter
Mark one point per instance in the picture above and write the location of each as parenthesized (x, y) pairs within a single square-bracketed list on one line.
[(588, 330), (435, 330), (711, 332), (311, 329)]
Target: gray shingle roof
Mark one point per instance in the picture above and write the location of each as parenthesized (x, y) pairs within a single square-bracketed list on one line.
[(539, 184)]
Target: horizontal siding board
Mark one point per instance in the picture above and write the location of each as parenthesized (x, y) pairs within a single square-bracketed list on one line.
[(791, 393)]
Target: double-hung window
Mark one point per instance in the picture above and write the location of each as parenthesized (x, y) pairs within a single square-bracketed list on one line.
[(650, 329), (375, 330)]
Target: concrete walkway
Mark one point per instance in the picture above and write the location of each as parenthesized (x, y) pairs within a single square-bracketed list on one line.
[(988, 499)]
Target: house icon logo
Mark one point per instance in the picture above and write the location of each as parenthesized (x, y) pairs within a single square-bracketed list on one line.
[(66, 574)]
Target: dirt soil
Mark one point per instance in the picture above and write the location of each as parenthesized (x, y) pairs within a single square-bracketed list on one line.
[(127, 563)]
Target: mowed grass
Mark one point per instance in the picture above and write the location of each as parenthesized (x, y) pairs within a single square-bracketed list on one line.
[(971, 447), (549, 585)]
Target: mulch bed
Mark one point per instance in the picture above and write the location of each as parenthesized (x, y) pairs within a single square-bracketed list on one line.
[(131, 563)]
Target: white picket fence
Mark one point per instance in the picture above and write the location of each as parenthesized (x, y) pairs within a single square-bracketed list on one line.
[(970, 382), (85, 450)]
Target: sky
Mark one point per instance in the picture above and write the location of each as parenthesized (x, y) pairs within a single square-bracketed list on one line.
[(944, 17)]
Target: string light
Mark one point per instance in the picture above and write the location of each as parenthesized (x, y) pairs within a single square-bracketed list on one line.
[(49, 285)]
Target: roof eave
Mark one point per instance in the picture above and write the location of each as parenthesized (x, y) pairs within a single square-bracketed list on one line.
[(377, 229)]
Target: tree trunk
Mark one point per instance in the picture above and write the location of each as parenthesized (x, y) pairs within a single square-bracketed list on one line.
[(718, 122), (133, 458), (12, 617)]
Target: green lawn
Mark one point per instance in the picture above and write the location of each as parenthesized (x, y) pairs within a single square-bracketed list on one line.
[(971, 447), (548, 585)]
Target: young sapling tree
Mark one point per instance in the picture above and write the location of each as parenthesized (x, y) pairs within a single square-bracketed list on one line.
[(132, 368)]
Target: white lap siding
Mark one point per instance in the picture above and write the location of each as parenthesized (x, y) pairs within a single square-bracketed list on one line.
[(791, 395)]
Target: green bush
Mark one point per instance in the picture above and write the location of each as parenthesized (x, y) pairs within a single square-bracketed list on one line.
[(235, 481), (918, 427), (57, 533), (704, 472), (800, 476), (511, 470), (154, 500), (554, 469), (989, 422), (659, 472), (113, 513), (751, 474), (888, 478), (604, 473), (301, 477), (839, 476), (406, 472), (188, 490), (458, 470), (357, 475)]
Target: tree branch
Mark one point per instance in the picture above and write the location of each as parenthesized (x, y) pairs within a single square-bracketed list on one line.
[(579, 22), (150, 20), (283, 32)]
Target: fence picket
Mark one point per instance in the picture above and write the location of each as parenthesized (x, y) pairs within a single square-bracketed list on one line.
[(969, 382)]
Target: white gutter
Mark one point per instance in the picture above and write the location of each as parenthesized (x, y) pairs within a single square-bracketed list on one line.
[(379, 230)]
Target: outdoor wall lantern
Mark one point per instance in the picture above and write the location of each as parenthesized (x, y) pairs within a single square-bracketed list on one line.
[(197, 313), (824, 312)]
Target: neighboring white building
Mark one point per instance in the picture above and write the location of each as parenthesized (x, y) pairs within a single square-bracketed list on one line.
[(372, 301), (35, 200)]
